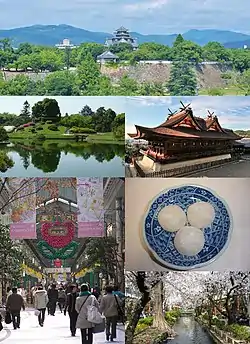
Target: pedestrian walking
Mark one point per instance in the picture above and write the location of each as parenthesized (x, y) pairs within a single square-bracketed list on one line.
[(85, 300), (121, 306), (119, 293), (15, 303), (40, 303), (109, 306), (96, 291), (53, 299), (61, 298), (70, 306), (9, 292)]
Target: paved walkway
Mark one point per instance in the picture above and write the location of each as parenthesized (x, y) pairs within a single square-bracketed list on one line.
[(55, 330), (240, 169)]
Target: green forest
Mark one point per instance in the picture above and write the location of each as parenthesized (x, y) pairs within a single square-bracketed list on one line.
[(76, 72)]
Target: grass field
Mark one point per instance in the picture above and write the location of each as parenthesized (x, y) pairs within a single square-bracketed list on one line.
[(49, 134), (227, 91), (27, 134), (104, 137)]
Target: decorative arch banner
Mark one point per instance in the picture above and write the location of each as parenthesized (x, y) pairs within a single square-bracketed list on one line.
[(90, 207), (23, 206)]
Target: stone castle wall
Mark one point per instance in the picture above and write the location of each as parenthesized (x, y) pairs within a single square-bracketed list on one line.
[(208, 75)]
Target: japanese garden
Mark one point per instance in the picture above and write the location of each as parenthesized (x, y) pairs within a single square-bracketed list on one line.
[(41, 140)]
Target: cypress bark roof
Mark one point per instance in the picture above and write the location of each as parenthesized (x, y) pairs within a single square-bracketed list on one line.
[(184, 124)]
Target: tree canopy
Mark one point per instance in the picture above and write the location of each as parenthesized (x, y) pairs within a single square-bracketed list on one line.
[(75, 72)]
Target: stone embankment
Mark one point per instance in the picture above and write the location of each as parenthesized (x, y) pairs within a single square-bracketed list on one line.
[(209, 75)]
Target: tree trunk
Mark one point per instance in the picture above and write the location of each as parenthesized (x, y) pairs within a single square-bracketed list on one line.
[(140, 305), (159, 318)]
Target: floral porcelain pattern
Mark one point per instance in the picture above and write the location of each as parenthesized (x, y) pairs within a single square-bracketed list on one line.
[(161, 242)]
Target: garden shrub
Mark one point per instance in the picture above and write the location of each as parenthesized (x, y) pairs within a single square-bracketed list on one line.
[(49, 122), (141, 327), (53, 127), (215, 92), (226, 76), (39, 128), (77, 130), (147, 321), (239, 331), (33, 130), (172, 316), (40, 137), (219, 323)]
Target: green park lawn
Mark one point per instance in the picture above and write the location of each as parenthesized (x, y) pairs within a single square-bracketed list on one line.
[(104, 137), (228, 91), (27, 134), (49, 134)]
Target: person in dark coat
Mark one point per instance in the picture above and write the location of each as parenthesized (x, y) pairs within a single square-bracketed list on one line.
[(14, 304), (53, 298), (96, 291), (70, 307)]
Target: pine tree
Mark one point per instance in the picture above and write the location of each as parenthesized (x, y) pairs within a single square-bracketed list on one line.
[(179, 39), (26, 113), (86, 111), (182, 80)]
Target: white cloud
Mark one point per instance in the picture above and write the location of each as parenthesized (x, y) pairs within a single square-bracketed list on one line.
[(150, 100), (129, 129), (233, 112), (145, 6), (145, 16)]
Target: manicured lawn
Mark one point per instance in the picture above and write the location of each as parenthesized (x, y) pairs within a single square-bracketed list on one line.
[(229, 91), (50, 134), (27, 134), (104, 137)]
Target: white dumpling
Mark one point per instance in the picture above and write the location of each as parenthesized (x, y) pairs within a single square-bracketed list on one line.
[(172, 218), (189, 241), (201, 214)]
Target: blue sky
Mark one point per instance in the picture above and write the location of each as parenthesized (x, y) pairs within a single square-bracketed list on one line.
[(144, 16), (233, 112), (71, 105)]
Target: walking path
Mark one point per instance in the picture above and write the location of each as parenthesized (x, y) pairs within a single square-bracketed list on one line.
[(55, 330)]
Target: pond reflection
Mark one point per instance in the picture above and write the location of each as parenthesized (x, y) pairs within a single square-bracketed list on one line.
[(65, 159)]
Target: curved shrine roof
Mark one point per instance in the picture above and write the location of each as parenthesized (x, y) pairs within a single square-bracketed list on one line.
[(185, 125)]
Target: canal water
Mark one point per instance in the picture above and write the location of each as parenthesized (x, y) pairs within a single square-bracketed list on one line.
[(65, 159), (190, 332)]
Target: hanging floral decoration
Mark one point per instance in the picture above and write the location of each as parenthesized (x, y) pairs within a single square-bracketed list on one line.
[(56, 215), (50, 187), (51, 253), (82, 273), (58, 234), (57, 263), (31, 272)]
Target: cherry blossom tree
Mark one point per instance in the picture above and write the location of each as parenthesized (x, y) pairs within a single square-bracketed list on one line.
[(201, 292)]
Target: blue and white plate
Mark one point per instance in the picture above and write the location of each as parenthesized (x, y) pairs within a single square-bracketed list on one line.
[(161, 243)]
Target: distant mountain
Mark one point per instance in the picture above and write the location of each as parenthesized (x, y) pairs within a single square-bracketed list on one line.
[(202, 37), (161, 39), (237, 44), (53, 34)]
